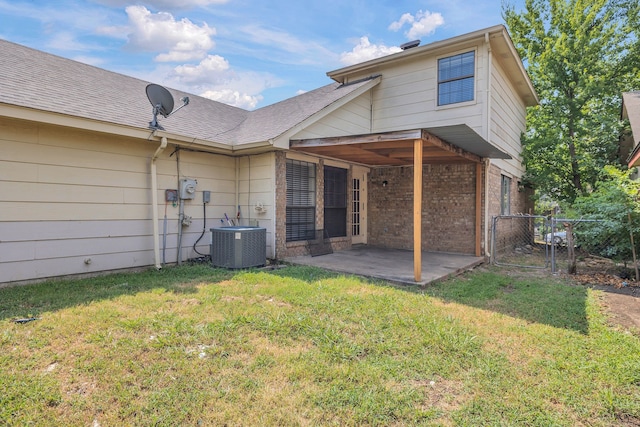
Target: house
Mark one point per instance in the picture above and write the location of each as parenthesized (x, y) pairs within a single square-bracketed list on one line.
[(416, 150), (630, 142)]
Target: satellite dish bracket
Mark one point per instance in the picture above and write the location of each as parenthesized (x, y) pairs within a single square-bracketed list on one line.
[(162, 103)]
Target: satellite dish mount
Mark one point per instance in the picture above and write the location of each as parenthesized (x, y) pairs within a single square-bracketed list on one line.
[(162, 103)]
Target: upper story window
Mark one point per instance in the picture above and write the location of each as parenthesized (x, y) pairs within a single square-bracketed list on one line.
[(456, 78)]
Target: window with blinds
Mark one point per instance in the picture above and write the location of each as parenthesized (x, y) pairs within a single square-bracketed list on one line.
[(335, 201), (301, 200), (456, 78)]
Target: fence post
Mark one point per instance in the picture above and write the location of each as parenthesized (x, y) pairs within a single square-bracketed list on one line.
[(553, 247), (633, 248), (571, 253)]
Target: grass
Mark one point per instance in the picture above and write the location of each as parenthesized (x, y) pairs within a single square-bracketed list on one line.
[(300, 346)]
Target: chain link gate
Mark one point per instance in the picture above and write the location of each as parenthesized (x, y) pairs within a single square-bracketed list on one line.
[(533, 241), (518, 241)]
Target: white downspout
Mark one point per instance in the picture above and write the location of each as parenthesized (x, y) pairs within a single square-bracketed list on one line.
[(487, 163), (154, 202), (237, 187)]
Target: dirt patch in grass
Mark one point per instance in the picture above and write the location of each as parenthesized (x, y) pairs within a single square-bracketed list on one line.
[(621, 296)]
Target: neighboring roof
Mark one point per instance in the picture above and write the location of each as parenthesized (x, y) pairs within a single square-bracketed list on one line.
[(501, 44), (631, 111), (40, 81)]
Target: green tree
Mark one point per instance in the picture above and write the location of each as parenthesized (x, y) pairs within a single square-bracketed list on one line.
[(581, 55), (615, 203)]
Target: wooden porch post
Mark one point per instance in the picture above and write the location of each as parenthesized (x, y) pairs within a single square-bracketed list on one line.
[(417, 210), (478, 209)]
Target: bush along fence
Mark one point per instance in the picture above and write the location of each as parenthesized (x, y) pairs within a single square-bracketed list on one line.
[(582, 246)]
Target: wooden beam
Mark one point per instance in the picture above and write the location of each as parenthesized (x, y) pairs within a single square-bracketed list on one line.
[(478, 209), (417, 210), (357, 139)]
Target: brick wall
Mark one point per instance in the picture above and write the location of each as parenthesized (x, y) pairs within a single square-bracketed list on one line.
[(448, 221), (521, 203)]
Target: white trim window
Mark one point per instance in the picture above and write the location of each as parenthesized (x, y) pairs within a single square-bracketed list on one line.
[(301, 200), (456, 78)]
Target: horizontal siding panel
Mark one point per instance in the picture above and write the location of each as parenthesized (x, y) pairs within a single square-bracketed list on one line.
[(16, 251), (351, 119), (47, 268), (15, 171), (63, 156), (60, 193), (17, 131), (93, 177), (91, 247), (21, 211), (20, 231)]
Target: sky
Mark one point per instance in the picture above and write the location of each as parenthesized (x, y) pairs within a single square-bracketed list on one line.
[(246, 53)]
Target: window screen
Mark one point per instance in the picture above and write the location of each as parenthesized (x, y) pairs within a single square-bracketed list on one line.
[(456, 78), (301, 200), (335, 201)]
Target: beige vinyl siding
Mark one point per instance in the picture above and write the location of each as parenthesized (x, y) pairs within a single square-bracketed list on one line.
[(352, 119), (406, 98), (508, 120), (257, 184), (214, 173), (67, 196)]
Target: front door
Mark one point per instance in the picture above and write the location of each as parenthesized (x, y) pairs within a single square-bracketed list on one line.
[(359, 206)]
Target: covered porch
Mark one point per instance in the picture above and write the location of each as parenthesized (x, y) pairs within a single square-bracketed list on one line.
[(393, 265), (448, 145)]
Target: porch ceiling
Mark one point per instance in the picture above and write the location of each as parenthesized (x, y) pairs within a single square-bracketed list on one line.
[(447, 144)]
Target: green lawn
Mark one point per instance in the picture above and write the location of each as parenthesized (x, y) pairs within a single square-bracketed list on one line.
[(193, 345)]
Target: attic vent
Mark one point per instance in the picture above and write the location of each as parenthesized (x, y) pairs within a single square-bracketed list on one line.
[(409, 45)]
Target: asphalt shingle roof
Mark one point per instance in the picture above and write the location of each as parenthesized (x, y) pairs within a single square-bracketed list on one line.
[(38, 80)]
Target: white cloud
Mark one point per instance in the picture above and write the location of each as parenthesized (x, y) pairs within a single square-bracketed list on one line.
[(213, 78), (233, 97), (422, 24), (301, 91), (159, 32), (365, 51), (207, 71)]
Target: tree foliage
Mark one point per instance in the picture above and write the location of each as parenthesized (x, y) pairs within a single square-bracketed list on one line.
[(581, 55), (615, 202)]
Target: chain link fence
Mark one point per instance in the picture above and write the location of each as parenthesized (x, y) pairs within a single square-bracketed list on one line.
[(582, 246)]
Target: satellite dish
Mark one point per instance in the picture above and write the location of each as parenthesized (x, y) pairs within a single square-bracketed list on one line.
[(162, 103)]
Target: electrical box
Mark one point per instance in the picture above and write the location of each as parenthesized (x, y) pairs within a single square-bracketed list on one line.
[(171, 195), (188, 188), (206, 196)]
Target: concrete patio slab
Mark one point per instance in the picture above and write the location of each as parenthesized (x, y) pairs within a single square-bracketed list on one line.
[(394, 265)]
